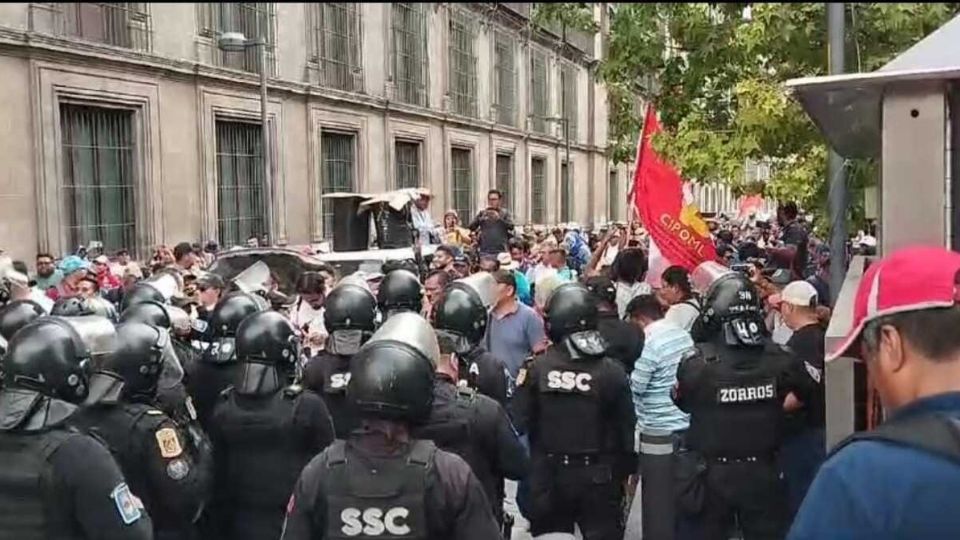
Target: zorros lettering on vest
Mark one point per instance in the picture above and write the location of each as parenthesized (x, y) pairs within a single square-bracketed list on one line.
[(747, 394), (684, 233), (339, 380), (569, 380), (375, 522)]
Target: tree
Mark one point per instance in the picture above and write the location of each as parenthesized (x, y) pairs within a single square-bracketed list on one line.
[(716, 74)]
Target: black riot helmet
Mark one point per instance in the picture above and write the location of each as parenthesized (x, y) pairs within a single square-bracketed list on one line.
[(392, 375), (144, 361), (141, 292), (462, 311), (77, 306), (230, 312), (570, 309), (400, 290), (147, 312), (350, 306), (18, 314), (268, 349), (732, 310), (47, 356)]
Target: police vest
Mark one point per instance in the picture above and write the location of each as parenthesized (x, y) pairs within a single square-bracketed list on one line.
[(24, 513), (383, 503), (570, 416)]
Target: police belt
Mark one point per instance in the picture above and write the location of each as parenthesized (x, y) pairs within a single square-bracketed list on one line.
[(574, 460)]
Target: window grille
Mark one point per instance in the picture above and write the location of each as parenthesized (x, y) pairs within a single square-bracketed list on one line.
[(254, 20), (505, 71), (99, 176), (569, 101), (538, 195), (408, 164), (505, 180), (462, 184), (337, 153), (121, 24), (336, 43), (409, 49), (613, 196), (538, 90), (241, 188), (463, 64), (566, 199)]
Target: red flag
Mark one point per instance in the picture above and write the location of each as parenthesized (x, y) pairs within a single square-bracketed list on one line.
[(678, 230)]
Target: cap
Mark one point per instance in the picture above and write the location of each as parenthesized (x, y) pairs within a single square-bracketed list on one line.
[(72, 263), (797, 293), (506, 261), (102, 259), (780, 276), (911, 279)]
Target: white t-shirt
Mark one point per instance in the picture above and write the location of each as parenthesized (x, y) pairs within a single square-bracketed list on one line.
[(627, 292), (684, 314)]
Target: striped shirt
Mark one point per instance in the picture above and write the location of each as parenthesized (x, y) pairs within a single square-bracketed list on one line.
[(655, 374)]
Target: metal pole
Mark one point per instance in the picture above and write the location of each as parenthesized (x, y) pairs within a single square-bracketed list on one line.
[(953, 99), (836, 176), (265, 130)]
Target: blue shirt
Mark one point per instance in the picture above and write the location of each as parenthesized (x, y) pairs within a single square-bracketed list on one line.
[(876, 490), (513, 336), (523, 288), (655, 374)]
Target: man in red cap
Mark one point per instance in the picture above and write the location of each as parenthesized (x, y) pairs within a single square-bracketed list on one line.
[(902, 479)]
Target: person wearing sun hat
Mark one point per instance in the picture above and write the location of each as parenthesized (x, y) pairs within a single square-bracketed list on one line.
[(900, 480), (507, 262)]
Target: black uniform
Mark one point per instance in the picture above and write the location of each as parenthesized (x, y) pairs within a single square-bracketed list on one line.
[(624, 340), (380, 483), (476, 428), (328, 374), (264, 431), (153, 453), (56, 483), (485, 373)]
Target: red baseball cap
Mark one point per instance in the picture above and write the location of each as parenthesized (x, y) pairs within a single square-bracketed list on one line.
[(911, 279)]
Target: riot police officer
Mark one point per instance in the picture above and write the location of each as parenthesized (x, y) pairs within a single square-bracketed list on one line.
[(734, 390), (576, 405), (264, 430), (76, 306), (217, 367), (349, 315), (153, 452), (381, 481), (15, 316), (463, 313), (56, 482), (400, 291), (141, 292), (476, 428)]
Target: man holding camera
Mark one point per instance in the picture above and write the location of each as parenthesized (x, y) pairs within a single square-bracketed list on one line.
[(494, 225)]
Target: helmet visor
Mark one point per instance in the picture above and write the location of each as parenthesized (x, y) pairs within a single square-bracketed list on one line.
[(706, 274), (171, 371)]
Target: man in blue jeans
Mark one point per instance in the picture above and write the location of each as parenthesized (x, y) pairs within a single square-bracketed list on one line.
[(892, 483)]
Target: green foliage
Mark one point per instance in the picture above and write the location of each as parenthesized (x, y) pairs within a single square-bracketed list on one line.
[(569, 16), (717, 82)]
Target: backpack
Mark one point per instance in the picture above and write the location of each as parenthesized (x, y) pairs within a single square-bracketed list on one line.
[(934, 433)]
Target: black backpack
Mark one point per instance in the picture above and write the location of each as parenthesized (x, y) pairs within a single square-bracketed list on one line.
[(934, 433)]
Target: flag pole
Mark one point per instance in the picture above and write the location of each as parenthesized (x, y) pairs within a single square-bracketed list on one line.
[(636, 164)]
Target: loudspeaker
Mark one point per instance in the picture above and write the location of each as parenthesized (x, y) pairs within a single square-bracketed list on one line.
[(351, 225)]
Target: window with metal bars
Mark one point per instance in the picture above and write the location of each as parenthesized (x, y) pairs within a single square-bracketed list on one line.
[(122, 24), (241, 188), (505, 72), (408, 164), (254, 20), (538, 90), (409, 49), (566, 194), (463, 63), (569, 101), (336, 43), (538, 194), (337, 154), (505, 180), (99, 176), (613, 196), (462, 185)]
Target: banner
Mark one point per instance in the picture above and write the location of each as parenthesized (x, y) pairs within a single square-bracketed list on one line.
[(676, 226)]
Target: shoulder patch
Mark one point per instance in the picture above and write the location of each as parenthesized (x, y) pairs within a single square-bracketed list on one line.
[(128, 506), (521, 376), (169, 443), (178, 469)]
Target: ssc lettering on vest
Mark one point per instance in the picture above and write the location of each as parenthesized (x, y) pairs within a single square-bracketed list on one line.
[(747, 394), (375, 522), (569, 380), (339, 380)]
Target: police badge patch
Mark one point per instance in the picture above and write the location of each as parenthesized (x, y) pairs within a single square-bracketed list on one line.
[(127, 505), (178, 469), (168, 442)]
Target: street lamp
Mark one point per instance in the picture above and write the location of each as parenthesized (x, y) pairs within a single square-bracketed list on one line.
[(238, 42)]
